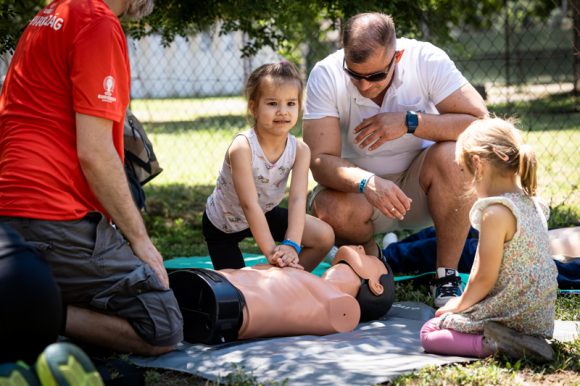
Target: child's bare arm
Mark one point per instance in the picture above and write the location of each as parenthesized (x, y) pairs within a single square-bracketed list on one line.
[(498, 226), (240, 158), (298, 193)]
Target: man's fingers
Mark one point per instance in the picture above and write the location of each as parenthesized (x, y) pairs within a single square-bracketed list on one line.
[(378, 143), (361, 126), (374, 137)]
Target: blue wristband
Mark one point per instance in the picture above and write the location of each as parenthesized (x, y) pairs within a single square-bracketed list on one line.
[(363, 183), (292, 244)]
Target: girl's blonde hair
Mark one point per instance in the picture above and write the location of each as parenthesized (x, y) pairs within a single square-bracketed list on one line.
[(282, 71), (501, 144)]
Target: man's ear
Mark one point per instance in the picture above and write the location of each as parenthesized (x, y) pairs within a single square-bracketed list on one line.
[(398, 55)]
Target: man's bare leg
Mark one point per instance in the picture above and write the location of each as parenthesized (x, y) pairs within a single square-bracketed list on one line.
[(108, 331), (449, 202), (352, 223)]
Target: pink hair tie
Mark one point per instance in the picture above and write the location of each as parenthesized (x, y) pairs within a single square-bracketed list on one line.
[(503, 156)]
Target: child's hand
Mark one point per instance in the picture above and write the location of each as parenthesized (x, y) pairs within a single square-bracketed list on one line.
[(285, 256), (450, 307)]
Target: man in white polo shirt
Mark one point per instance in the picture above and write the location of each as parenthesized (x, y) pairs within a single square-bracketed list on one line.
[(381, 118)]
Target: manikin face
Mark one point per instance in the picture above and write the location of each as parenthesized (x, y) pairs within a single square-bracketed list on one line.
[(382, 62), (278, 106)]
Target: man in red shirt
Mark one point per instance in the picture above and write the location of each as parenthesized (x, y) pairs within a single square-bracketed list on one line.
[(62, 180)]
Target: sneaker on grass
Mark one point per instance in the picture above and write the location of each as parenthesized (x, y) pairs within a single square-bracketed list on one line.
[(446, 286), (64, 364)]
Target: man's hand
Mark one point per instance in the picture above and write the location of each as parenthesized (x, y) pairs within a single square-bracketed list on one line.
[(147, 252), (387, 197), (378, 129)]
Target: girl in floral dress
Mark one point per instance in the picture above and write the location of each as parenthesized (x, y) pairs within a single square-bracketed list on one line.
[(508, 303), (253, 177)]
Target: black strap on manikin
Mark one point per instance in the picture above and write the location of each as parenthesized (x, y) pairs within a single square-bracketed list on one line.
[(212, 307)]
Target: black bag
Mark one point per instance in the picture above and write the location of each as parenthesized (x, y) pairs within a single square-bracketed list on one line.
[(141, 164), (211, 306)]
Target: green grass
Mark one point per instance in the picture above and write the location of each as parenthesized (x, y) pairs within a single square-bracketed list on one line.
[(191, 151), (191, 148)]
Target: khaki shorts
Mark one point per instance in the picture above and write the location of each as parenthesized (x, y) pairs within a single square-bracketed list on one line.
[(417, 218), (96, 268)]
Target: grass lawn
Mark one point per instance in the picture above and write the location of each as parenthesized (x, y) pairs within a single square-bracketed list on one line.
[(190, 143)]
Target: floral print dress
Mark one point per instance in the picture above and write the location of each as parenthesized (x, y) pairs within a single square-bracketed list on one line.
[(524, 295)]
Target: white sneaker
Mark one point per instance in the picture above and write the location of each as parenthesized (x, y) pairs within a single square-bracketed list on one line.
[(446, 286), (389, 239)]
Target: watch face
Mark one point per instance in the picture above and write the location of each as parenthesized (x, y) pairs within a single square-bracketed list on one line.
[(412, 121)]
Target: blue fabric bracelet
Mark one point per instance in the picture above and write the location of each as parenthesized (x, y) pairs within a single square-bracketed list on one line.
[(363, 183), (292, 244)]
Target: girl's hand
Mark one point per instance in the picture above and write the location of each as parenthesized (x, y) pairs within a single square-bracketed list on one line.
[(285, 256), (452, 306)]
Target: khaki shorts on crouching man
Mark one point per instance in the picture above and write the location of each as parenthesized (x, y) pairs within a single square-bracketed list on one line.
[(417, 218), (96, 268)]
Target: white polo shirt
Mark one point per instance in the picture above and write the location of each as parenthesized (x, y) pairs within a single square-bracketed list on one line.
[(423, 77)]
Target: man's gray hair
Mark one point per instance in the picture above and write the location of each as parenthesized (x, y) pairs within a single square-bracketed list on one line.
[(137, 9), (364, 33)]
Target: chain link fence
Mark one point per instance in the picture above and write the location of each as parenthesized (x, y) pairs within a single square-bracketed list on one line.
[(189, 94)]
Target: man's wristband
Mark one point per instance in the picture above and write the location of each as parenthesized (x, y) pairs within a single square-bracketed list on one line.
[(292, 244), (363, 183)]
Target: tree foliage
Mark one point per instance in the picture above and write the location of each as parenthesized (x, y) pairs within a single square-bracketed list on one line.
[(14, 15), (285, 24)]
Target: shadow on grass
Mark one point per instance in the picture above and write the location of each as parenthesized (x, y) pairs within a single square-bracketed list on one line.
[(173, 218), (174, 213)]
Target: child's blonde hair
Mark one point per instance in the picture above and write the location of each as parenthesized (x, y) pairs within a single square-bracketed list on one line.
[(501, 144), (282, 71)]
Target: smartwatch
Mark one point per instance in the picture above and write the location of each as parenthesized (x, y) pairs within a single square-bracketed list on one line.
[(412, 121)]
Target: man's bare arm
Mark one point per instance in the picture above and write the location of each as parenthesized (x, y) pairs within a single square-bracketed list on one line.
[(456, 112), (104, 172), (328, 168)]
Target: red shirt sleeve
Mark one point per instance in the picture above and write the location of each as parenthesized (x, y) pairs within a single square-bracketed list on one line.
[(100, 72)]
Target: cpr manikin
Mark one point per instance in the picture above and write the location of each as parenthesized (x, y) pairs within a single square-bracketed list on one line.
[(265, 301)]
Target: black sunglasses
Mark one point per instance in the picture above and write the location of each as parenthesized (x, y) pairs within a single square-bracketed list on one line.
[(376, 77)]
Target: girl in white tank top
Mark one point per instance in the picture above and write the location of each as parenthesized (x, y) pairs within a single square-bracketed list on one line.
[(253, 178)]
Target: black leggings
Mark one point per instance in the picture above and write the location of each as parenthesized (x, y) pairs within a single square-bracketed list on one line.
[(223, 247), (31, 307)]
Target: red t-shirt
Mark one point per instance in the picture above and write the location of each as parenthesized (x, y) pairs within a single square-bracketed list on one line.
[(71, 58)]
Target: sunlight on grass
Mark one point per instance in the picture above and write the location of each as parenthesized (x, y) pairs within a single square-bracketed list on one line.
[(186, 109), (194, 157)]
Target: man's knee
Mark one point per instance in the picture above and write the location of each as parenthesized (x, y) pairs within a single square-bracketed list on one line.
[(151, 309), (440, 167), (163, 325), (340, 209)]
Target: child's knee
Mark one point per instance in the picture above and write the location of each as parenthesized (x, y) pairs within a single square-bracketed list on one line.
[(429, 326)]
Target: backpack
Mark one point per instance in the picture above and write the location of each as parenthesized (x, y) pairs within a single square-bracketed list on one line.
[(141, 164)]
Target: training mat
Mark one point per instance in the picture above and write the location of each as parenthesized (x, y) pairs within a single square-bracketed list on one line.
[(205, 262), (374, 352)]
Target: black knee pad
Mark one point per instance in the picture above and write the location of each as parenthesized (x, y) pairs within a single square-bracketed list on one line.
[(211, 306), (373, 307)]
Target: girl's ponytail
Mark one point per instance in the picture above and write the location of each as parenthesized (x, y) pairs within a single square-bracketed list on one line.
[(527, 169)]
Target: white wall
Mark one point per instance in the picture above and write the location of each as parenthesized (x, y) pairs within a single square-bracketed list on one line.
[(203, 65)]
